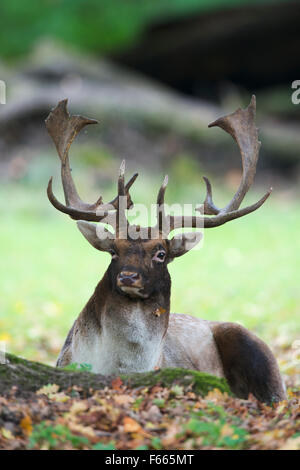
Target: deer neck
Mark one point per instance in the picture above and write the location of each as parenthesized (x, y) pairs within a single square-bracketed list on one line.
[(132, 330)]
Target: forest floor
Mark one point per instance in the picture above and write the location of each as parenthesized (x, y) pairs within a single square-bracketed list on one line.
[(149, 417)]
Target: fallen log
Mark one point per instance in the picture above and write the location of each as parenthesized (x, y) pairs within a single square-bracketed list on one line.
[(28, 376)]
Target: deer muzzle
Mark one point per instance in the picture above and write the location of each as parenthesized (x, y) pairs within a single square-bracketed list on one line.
[(131, 284), (129, 279)]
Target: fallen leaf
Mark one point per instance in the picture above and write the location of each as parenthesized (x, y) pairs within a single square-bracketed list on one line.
[(130, 425), (78, 407), (215, 395), (227, 431), (48, 389), (116, 383), (59, 397), (26, 425), (291, 444), (123, 399), (86, 431), (7, 433)]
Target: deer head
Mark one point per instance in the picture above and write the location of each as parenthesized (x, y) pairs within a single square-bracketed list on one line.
[(139, 263)]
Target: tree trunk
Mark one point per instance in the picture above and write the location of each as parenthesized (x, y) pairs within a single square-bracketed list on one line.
[(30, 376)]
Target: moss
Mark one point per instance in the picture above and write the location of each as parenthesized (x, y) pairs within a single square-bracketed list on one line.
[(201, 382), (29, 376)]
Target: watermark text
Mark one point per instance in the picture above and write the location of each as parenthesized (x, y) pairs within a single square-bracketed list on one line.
[(296, 94), (2, 92), (2, 352)]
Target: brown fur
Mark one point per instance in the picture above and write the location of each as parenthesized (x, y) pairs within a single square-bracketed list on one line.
[(223, 349), (249, 365)]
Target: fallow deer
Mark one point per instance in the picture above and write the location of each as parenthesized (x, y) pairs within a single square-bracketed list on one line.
[(126, 326)]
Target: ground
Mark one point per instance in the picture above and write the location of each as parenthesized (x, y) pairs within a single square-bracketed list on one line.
[(146, 417)]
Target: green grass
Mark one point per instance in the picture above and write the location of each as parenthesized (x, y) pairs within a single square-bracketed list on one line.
[(247, 270)]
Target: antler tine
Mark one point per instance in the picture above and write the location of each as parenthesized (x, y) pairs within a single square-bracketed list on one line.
[(63, 129), (220, 219), (241, 126), (209, 206), (74, 213), (92, 216), (161, 193), (161, 217), (121, 222), (121, 183)]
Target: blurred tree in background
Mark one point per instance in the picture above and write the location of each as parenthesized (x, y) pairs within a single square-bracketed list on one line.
[(199, 47), (99, 26)]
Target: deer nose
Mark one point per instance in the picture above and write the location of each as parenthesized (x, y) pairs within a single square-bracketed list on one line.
[(128, 278)]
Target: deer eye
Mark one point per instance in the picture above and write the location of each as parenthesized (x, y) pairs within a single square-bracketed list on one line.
[(159, 256)]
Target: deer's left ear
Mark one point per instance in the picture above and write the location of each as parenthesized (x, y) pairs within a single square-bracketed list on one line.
[(97, 235), (183, 242)]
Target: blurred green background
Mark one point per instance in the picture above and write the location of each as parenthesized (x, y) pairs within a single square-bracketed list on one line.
[(154, 73), (100, 26)]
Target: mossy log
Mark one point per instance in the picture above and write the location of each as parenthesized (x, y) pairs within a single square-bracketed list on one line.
[(30, 376)]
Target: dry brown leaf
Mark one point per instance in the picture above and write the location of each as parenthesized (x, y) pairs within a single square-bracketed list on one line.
[(227, 430), (26, 425), (130, 425), (86, 431), (216, 395), (78, 407), (116, 383), (48, 389), (6, 433), (123, 399), (59, 397), (291, 444)]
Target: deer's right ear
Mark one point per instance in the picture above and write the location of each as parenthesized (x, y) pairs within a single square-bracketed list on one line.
[(97, 235)]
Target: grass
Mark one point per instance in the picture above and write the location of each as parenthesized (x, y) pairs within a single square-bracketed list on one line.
[(247, 271)]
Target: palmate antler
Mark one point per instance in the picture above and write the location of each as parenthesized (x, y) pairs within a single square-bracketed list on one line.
[(63, 129), (241, 126)]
